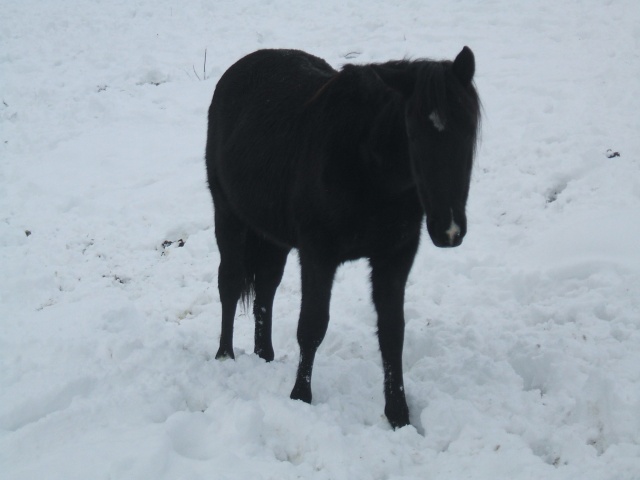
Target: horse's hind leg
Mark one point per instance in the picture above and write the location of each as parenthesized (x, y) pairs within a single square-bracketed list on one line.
[(317, 279), (230, 235), (267, 265)]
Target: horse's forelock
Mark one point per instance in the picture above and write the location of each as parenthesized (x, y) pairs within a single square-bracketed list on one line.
[(439, 94)]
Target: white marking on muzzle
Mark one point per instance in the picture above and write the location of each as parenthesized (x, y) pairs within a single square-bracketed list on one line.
[(437, 122), (453, 232)]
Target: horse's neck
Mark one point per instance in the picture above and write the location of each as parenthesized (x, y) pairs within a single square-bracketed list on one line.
[(386, 151)]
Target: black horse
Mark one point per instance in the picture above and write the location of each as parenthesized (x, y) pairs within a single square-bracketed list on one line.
[(340, 165)]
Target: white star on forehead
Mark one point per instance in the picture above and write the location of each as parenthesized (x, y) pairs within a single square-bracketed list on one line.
[(437, 122)]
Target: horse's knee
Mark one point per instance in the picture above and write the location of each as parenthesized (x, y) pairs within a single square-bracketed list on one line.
[(230, 280)]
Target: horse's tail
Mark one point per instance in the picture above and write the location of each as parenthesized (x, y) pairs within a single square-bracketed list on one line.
[(250, 268)]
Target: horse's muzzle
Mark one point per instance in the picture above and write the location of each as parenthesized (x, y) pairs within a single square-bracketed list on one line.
[(446, 234)]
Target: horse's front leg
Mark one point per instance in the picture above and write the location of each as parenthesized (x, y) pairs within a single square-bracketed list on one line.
[(317, 279), (388, 280)]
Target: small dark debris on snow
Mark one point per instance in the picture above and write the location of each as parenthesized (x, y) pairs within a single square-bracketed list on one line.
[(27, 233), (612, 154), (117, 278), (167, 243)]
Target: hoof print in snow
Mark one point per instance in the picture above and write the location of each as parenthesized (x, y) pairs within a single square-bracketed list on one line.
[(153, 77), (553, 194), (612, 154)]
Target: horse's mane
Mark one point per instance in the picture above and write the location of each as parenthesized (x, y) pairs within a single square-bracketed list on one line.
[(430, 85), (322, 89)]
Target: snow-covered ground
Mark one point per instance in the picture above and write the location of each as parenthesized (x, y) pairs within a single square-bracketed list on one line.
[(522, 353)]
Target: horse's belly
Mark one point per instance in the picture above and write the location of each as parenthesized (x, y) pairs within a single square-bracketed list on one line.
[(265, 209)]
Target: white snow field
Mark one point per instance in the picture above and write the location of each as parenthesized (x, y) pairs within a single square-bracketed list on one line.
[(522, 351)]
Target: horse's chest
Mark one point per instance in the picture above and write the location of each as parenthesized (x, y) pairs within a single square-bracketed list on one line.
[(373, 233)]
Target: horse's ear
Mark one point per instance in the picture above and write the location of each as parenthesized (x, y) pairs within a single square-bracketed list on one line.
[(464, 66)]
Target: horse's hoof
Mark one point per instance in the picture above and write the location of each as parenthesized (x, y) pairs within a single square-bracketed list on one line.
[(398, 417), (265, 353), (395, 424), (301, 393), (224, 354)]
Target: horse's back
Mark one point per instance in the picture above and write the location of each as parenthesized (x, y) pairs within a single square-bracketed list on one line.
[(266, 83), (260, 68), (256, 134)]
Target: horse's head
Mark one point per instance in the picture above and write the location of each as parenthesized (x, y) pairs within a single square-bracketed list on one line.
[(442, 116)]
